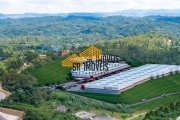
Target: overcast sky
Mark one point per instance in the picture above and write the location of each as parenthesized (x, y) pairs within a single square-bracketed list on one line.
[(66, 6)]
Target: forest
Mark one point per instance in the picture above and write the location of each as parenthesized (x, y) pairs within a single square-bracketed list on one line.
[(63, 32), (143, 49)]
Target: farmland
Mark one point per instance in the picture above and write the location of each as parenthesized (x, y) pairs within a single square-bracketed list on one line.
[(145, 90)]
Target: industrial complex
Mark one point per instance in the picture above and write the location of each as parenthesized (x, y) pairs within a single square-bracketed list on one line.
[(112, 67), (116, 78), (119, 80)]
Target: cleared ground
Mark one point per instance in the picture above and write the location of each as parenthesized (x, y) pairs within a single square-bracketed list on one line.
[(6, 93), (51, 73), (145, 90), (12, 112)]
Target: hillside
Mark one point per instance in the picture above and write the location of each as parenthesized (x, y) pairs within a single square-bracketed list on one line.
[(128, 12), (52, 73), (136, 50), (104, 27), (146, 48)]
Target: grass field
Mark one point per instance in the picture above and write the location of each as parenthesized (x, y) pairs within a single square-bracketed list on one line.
[(51, 73), (157, 103), (146, 90)]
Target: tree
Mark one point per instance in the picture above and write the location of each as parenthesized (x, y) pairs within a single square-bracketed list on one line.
[(14, 63), (73, 48), (30, 55)]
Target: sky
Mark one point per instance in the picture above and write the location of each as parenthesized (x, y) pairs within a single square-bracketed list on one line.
[(67, 6)]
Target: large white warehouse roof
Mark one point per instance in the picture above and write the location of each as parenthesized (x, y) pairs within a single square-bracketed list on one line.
[(129, 78), (87, 73)]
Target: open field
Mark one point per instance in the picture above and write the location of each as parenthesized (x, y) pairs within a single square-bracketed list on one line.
[(51, 73), (157, 103), (154, 104), (146, 90)]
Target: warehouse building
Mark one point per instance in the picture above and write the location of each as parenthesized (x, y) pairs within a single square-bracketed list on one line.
[(112, 67), (123, 81)]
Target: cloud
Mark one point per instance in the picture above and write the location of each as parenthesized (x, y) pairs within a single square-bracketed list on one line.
[(3, 2), (65, 6)]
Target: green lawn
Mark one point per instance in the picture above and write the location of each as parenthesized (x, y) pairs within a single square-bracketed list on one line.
[(51, 73), (146, 90), (157, 103)]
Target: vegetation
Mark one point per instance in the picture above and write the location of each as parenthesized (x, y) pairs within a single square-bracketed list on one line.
[(42, 104), (12, 80), (149, 89), (136, 50), (142, 49), (140, 117), (63, 32), (152, 105), (138, 41), (52, 73), (37, 103), (169, 111), (12, 112)]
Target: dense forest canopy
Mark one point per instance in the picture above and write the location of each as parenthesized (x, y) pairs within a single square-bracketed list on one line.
[(147, 48), (108, 27), (63, 32)]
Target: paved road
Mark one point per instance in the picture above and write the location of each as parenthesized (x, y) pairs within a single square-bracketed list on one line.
[(2, 96)]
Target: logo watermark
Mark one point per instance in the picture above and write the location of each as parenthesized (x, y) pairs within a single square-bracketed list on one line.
[(90, 59), (96, 65)]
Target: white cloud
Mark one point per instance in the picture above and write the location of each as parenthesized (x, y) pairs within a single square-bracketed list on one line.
[(65, 6)]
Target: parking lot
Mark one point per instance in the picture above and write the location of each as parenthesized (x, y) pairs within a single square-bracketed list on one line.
[(69, 86)]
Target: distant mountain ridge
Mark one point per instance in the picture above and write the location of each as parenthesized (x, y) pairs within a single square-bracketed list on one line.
[(130, 12), (31, 15), (142, 13)]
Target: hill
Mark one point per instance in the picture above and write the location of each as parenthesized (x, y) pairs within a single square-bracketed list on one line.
[(136, 50), (78, 26), (128, 12), (150, 12)]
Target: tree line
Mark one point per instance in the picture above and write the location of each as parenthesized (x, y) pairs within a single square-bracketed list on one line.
[(164, 112)]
